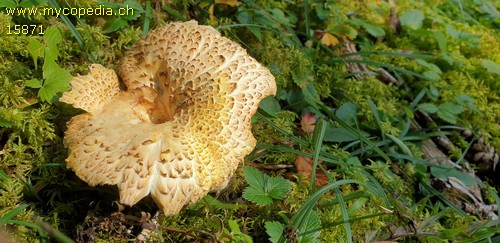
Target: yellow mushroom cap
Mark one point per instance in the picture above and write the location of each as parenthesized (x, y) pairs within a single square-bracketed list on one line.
[(182, 126)]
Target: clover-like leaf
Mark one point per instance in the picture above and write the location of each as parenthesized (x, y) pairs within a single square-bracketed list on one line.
[(263, 188), (56, 79)]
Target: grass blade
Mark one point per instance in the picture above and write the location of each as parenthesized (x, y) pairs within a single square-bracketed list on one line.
[(374, 110), (5, 219), (174, 13), (147, 18), (319, 134)]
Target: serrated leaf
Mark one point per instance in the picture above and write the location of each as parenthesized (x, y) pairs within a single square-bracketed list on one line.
[(275, 230), (428, 107), (447, 116), (51, 53), (375, 31), (263, 188), (412, 19), (451, 108), (52, 35), (466, 100), (34, 83), (310, 230), (56, 79), (257, 196), (254, 177), (277, 187), (491, 66), (36, 50)]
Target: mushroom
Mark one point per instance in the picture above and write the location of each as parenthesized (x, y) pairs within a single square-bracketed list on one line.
[(182, 125)]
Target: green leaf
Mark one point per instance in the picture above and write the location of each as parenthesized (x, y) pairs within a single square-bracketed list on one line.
[(257, 196), (347, 112), (442, 41), (114, 24), (263, 189), (338, 135), (246, 17), (56, 79), (412, 19), (449, 112), (461, 35), (433, 92), (36, 50), (465, 100), (428, 107), (373, 30), (52, 36), (310, 230), (343, 30), (449, 117), (434, 71), (51, 53), (254, 177), (491, 66), (275, 230), (270, 105), (445, 172), (322, 12), (451, 108), (133, 8), (280, 16), (278, 187), (34, 83), (8, 4), (310, 95)]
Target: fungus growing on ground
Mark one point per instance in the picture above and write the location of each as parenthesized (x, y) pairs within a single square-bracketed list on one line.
[(181, 127)]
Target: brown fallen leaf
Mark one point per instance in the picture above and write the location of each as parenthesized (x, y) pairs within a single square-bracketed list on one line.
[(304, 166)]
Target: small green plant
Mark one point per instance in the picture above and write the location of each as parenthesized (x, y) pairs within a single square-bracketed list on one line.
[(55, 78), (263, 189)]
